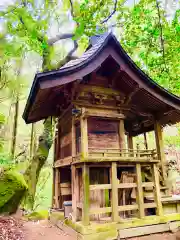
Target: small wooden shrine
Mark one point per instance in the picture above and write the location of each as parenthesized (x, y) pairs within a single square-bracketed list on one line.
[(102, 100)]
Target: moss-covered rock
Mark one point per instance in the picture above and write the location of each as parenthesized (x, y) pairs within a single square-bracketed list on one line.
[(12, 189), (56, 216)]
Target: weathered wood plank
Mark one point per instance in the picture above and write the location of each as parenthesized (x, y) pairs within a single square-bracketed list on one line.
[(85, 180), (157, 193), (147, 184), (127, 185), (127, 208), (114, 202), (100, 210), (100, 186), (140, 191), (149, 205), (140, 231)]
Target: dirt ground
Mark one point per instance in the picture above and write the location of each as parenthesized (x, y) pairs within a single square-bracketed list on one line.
[(44, 230)]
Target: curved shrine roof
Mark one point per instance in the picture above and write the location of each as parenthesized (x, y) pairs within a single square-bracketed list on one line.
[(101, 48)]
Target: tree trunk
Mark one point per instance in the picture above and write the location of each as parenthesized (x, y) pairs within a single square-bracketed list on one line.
[(37, 162), (15, 122), (33, 140)]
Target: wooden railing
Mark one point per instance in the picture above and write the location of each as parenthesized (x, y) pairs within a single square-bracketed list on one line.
[(138, 205), (125, 153)]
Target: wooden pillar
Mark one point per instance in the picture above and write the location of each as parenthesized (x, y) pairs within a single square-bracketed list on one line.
[(84, 137), (160, 147), (130, 144), (75, 191), (57, 188), (73, 131), (85, 180), (121, 134), (140, 197), (114, 202), (130, 141), (59, 142), (53, 190), (157, 191), (106, 191), (145, 141)]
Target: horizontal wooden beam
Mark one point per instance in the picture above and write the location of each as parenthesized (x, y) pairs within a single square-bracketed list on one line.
[(127, 208), (150, 205), (103, 114), (119, 159), (127, 185), (96, 89), (147, 184), (100, 210), (100, 186), (63, 162), (85, 104)]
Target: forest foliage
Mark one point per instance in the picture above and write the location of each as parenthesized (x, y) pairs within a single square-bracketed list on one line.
[(34, 37)]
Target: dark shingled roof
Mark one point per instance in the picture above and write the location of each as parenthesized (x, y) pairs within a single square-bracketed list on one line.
[(97, 44)]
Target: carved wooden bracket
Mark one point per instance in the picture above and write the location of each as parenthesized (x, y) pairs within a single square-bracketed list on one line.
[(119, 100), (97, 98)]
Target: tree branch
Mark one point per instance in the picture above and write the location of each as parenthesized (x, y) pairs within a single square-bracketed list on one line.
[(60, 37), (73, 50), (111, 14), (161, 33), (72, 8)]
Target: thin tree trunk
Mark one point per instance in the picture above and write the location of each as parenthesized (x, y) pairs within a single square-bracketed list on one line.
[(15, 123), (33, 140)]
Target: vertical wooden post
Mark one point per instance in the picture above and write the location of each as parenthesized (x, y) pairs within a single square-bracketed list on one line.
[(160, 147), (53, 190), (140, 197), (114, 202), (73, 131), (75, 191), (59, 142), (130, 144), (145, 141), (57, 187), (106, 191), (130, 141), (157, 191), (121, 134), (84, 137), (85, 179)]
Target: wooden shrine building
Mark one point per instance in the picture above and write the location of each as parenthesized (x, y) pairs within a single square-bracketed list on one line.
[(102, 100)]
